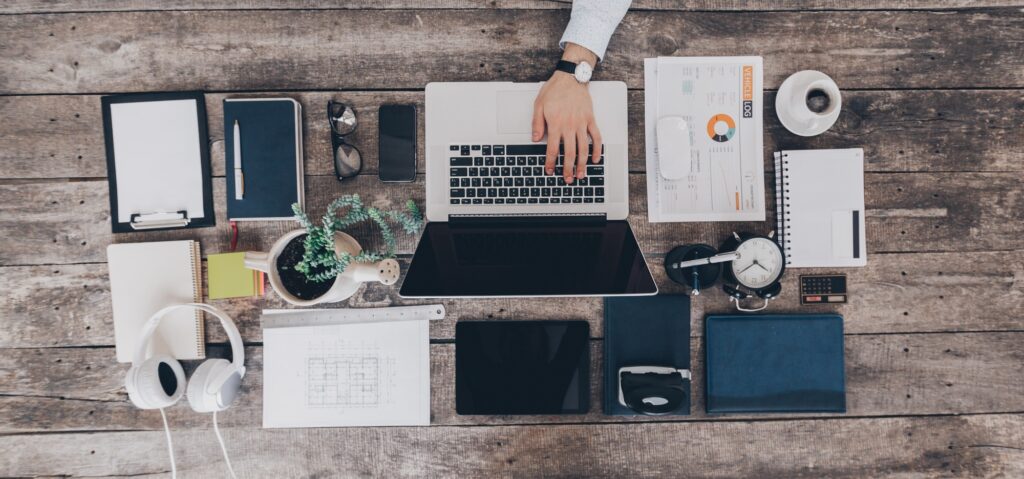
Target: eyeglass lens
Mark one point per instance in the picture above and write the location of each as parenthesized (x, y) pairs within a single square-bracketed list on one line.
[(342, 117), (347, 161)]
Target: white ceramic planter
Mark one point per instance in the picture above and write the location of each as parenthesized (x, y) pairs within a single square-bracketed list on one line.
[(345, 285)]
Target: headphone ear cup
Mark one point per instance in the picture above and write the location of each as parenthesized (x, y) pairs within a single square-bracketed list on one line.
[(213, 386), (157, 383)]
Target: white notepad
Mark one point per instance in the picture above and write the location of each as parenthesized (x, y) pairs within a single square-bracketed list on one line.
[(820, 201), (145, 277)]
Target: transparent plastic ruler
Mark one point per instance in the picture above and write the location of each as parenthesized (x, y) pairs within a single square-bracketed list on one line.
[(293, 318)]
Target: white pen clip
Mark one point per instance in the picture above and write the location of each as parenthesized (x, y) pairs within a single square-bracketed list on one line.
[(239, 179)]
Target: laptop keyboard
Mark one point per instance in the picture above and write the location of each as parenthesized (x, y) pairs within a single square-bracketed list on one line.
[(514, 174)]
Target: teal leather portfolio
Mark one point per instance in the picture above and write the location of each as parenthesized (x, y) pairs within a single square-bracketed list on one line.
[(266, 177), (774, 363)]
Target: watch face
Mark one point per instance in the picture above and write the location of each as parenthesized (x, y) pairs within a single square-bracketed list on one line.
[(583, 72), (759, 264)]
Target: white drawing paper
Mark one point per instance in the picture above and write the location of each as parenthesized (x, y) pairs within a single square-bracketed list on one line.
[(364, 374)]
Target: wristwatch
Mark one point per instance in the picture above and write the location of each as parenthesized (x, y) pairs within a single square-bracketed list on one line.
[(581, 71)]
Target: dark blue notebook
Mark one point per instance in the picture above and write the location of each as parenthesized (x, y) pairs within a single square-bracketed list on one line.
[(648, 331), (271, 147), (774, 363)]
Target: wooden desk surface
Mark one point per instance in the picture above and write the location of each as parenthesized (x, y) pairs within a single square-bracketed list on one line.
[(935, 324)]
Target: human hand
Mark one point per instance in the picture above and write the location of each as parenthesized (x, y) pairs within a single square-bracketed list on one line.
[(564, 108)]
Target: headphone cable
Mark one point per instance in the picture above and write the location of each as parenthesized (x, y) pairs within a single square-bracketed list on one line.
[(170, 444), (223, 448)]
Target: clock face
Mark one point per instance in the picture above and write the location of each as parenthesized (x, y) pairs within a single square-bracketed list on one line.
[(759, 264)]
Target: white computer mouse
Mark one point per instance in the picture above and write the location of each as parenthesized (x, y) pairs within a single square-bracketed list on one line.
[(673, 137)]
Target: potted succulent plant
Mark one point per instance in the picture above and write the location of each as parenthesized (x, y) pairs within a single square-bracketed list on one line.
[(320, 263)]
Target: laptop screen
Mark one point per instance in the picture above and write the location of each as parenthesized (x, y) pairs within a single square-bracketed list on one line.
[(528, 257)]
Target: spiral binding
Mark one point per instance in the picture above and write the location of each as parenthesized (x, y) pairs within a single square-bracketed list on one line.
[(782, 203), (197, 295)]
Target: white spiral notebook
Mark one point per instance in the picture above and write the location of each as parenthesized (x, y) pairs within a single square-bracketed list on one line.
[(819, 197), (146, 277)]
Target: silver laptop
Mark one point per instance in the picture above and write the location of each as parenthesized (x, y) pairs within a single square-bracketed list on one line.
[(498, 225), (478, 142)]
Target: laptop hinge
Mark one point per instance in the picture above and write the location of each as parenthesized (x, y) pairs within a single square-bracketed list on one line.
[(535, 219)]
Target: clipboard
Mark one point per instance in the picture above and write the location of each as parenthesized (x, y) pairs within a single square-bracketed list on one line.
[(158, 161)]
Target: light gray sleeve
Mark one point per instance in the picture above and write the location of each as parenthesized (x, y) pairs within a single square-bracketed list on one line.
[(593, 22)]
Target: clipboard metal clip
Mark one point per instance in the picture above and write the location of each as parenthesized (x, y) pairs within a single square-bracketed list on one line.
[(156, 220)]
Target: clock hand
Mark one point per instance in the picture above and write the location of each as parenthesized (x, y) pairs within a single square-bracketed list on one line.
[(762, 267), (751, 266)]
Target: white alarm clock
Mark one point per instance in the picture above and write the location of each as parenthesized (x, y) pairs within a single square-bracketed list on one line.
[(756, 268)]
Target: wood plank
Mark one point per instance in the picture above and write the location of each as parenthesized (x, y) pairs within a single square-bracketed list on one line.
[(58, 6), (972, 130), (362, 49), (64, 389), (69, 305), (967, 446), (68, 222)]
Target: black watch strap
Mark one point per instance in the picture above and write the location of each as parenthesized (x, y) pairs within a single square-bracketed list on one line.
[(566, 66), (638, 389)]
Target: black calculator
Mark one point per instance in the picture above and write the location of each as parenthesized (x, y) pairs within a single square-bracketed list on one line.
[(823, 289)]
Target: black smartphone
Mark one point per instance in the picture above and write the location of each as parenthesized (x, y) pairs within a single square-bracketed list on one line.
[(397, 139)]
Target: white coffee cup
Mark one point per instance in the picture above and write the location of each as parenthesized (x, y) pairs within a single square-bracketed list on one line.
[(791, 103)]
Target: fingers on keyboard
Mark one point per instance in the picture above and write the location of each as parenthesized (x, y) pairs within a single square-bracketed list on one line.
[(518, 174)]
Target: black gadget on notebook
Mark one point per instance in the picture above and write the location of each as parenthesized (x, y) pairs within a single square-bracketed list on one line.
[(522, 367), (397, 143)]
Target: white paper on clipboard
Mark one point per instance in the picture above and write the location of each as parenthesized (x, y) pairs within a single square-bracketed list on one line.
[(720, 98), (157, 158)]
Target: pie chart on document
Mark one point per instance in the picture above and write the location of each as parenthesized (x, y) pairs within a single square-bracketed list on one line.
[(721, 128)]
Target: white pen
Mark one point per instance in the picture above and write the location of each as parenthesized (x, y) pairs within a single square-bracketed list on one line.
[(239, 181)]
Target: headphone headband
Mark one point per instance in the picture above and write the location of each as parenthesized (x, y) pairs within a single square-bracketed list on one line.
[(237, 347)]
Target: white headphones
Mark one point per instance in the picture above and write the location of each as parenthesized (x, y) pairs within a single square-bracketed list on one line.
[(159, 382)]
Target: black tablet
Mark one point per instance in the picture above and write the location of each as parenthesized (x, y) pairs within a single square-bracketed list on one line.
[(522, 367)]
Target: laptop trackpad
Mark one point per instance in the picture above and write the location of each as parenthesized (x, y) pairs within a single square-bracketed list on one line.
[(515, 111)]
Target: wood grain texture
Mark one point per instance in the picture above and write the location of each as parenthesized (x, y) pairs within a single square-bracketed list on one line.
[(947, 131), (56, 6), (951, 446), (69, 305), (887, 375), (68, 222), (321, 50)]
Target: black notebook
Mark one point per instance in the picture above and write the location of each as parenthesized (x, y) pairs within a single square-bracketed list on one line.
[(270, 163), (775, 363), (644, 331)]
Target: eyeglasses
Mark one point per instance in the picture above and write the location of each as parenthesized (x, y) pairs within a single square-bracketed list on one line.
[(347, 159)]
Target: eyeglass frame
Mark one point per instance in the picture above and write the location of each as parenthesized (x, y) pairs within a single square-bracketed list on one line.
[(338, 139)]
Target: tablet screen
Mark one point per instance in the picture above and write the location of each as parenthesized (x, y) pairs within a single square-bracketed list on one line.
[(522, 367)]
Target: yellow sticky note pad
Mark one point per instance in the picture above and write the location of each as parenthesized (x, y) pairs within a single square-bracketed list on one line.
[(229, 278)]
